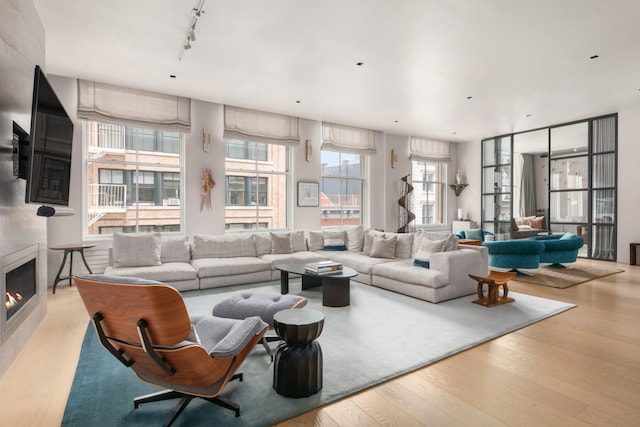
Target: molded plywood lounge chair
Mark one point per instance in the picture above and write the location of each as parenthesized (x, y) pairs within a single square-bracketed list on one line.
[(145, 325)]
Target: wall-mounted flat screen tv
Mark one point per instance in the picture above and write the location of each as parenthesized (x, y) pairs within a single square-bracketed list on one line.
[(50, 146)]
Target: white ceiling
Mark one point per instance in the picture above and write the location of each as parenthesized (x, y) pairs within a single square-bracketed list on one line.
[(421, 58)]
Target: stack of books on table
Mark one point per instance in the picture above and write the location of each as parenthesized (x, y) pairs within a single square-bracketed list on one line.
[(324, 267)]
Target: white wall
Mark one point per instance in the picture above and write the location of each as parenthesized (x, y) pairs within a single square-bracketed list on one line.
[(628, 192)]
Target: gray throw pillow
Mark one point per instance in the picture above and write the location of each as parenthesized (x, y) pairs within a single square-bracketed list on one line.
[(280, 243), (298, 243), (136, 250), (368, 240), (383, 248)]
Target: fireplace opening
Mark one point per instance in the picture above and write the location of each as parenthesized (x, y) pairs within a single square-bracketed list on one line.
[(20, 286)]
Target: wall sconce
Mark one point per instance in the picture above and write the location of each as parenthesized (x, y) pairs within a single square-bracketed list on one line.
[(458, 188), (206, 139), (308, 149), (394, 158)]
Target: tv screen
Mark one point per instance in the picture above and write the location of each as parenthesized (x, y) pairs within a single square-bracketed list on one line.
[(50, 145)]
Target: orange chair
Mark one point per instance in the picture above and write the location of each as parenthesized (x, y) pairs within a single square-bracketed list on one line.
[(145, 325)]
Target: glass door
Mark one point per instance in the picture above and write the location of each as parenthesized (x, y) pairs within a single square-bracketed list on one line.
[(496, 186)]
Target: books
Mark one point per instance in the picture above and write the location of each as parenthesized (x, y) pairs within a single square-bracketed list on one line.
[(323, 267)]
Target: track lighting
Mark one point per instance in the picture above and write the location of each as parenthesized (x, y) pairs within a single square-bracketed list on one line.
[(191, 32)]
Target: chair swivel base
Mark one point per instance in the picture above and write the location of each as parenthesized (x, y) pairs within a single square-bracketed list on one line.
[(185, 399)]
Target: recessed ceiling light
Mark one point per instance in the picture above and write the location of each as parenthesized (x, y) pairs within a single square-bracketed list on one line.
[(298, 102), (395, 121), (528, 115), (593, 57), (359, 64), (469, 97), (455, 133), (173, 76)]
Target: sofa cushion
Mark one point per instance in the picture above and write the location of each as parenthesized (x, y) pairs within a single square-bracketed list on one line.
[(298, 242), (211, 267), (301, 257), (136, 250), (335, 240), (368, 240), (280, 243), (450, 245), (424, 253), (405, 271), (175, 249), (383, 247), (537, 222), (263, 243), (227, 246), (404, 244), (166, 272), (316, 241), (567, 236)]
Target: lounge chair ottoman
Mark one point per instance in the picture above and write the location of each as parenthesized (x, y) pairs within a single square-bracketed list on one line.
[(247, 304)]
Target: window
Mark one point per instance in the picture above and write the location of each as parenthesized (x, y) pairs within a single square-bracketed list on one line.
[(133, 179), (342, 187), (246, 191), (256, 184), (429, 195)]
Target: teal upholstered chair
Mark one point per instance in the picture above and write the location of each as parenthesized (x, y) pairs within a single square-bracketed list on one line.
[(474, 234), (559, 249), (515, 254)]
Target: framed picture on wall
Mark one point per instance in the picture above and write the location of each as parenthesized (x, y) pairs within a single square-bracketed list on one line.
[(308, 193)]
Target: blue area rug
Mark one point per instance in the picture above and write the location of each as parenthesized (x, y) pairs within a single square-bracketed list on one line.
[(381, 335)]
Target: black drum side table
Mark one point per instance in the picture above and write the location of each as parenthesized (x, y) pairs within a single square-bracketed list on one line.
[(69, 250), (297, 370)]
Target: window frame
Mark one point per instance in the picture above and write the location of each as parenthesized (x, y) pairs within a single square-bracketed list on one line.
[(344, 219), (428, 184)]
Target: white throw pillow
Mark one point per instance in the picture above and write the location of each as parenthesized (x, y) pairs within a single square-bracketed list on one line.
[(298, 243), (136, 250), (335, 240), (368, 240)]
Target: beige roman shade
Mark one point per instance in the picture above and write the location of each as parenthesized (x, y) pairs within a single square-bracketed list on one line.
[(133, 107), (428, 150), (272, 128), (348, 139)]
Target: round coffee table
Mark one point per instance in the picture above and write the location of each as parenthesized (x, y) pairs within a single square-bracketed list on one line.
[(297, 370), (336, 287)]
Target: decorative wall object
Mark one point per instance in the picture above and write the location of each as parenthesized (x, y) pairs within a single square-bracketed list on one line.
[(308, 194), (308, 148), (206, 139), (394, 158), (405, 216), (206, 186)]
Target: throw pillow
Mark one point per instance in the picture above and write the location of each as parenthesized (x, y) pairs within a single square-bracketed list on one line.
[(383, 248), (423, 256), (536, 222), (335, 240), (316, 241), (473, 234), (280, 243), (355, 237), (567, 236), (368, 240), (175, 249), (297, 241), (136, 250)]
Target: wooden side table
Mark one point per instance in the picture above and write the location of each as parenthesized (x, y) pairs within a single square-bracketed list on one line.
[(69, 250), (494, 280)]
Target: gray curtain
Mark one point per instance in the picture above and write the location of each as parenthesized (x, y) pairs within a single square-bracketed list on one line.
[(603, 178), (528, 203)]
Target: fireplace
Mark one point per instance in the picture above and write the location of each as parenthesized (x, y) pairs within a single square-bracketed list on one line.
[(19, 280)]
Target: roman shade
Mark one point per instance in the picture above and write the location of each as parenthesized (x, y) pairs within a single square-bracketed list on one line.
[(428, 150), (133, 107), (260, 126), (348, 139)]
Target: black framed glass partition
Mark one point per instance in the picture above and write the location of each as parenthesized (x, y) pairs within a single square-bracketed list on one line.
[(565, 173)]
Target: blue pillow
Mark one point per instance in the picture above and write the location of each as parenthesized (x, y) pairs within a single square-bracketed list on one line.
[(335, 248), (474, 234), (567, 236), (420, 263)]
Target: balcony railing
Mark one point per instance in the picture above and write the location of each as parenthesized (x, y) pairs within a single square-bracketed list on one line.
[(107, 198)]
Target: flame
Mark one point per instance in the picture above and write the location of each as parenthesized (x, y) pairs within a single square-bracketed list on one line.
[(12, 301)]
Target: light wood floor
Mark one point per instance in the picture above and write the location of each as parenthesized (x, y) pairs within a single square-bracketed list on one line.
[(580, 368)]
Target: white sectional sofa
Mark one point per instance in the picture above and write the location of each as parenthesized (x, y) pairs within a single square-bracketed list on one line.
[(385, 260)]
